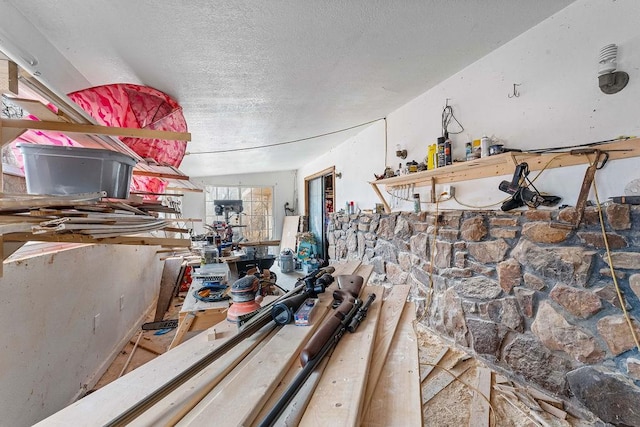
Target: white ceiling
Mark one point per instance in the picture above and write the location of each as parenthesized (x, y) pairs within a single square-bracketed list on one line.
[(253, 73)]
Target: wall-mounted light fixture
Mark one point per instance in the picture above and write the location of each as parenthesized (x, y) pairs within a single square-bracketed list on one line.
[(338, 174), (401, 152), (610, 80)]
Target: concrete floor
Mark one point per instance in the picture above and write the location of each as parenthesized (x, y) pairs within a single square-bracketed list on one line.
[(286, 281)]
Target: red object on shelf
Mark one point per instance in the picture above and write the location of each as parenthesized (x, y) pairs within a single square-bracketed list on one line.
[(186, 279)]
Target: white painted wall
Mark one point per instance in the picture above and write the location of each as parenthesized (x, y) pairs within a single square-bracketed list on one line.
[(560, 104), (357, 159), (49, 352), (284, 190)]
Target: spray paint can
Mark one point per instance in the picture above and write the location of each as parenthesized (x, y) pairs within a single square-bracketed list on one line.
[(448, 159), (441, 157)]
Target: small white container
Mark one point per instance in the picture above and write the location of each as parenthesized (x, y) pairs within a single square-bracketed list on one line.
[(485, 142)]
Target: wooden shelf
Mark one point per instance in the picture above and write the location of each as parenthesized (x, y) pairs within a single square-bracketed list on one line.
[(503, 164)]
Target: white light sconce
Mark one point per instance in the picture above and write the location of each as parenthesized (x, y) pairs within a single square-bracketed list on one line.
[(610, 80), (401, 152)]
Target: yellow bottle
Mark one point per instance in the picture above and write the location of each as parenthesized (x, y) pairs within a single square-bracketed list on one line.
[(431, 154)]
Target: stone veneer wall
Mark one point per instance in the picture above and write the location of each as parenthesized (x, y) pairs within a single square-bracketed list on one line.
[(527, 297)]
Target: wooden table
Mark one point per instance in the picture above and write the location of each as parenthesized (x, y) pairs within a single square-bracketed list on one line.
[(197, 315)]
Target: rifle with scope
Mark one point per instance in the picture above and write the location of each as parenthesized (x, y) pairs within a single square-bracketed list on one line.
[(348, 314), (309, 286)]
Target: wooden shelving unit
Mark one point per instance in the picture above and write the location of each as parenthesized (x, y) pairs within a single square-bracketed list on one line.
[(503, 164)]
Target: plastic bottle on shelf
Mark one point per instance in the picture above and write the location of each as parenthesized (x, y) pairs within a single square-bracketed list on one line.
[(431, 157), (416, 203), (485, 142)]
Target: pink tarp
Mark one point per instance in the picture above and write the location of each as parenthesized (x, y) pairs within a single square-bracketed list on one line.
[(132, 106)]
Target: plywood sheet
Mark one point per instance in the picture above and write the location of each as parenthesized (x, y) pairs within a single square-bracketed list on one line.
[(289, 232)]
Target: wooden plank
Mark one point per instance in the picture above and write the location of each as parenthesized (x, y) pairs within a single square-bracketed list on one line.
[(538, 395), (503, 164), (81, 238), (432, 364), (150, 346), (289, 232), (396, 398), (105, 404), (38, 109), (141, 172), (442, 379), (183, 328), (339, 395), (390, 315), (479, 416), (8, 77), (251, 387), (558, 413), (168, 280), (387, 208), (176, 406), (95, 129)]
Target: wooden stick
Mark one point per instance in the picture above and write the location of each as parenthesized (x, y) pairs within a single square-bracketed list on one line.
[(133, 350), (95, 129)]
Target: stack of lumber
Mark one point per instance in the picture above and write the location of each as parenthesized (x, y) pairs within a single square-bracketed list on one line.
[(370, 379), (541, 408), (81, 218), (489, 391)]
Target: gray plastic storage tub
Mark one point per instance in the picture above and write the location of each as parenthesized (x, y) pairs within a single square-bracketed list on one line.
[(58, 170)]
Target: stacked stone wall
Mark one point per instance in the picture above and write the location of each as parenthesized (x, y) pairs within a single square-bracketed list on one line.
[(521, 290)]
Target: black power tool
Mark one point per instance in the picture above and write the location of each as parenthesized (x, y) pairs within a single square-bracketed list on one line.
[(520, 193)]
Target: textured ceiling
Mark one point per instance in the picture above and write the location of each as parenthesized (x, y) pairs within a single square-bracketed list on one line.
[(253, 73)]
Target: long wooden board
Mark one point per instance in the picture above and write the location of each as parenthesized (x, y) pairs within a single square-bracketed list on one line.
[(75, 238), (104, 405), (479, 416), (338, 397), (173, 407), (95, 129), (392, 309), (396, 398)]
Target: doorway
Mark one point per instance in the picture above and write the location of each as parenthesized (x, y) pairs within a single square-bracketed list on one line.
[(319, 205)]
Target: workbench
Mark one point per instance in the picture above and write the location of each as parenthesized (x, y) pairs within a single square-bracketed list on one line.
[(197, 315)]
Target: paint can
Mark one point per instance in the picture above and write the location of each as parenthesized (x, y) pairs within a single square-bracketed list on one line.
[(285, 261)]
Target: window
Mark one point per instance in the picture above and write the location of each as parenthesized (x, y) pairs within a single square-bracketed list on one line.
[(254, 222)]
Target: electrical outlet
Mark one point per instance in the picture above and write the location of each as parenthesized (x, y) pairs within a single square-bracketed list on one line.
[(121, 302), (96, 322), (447, 193)]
